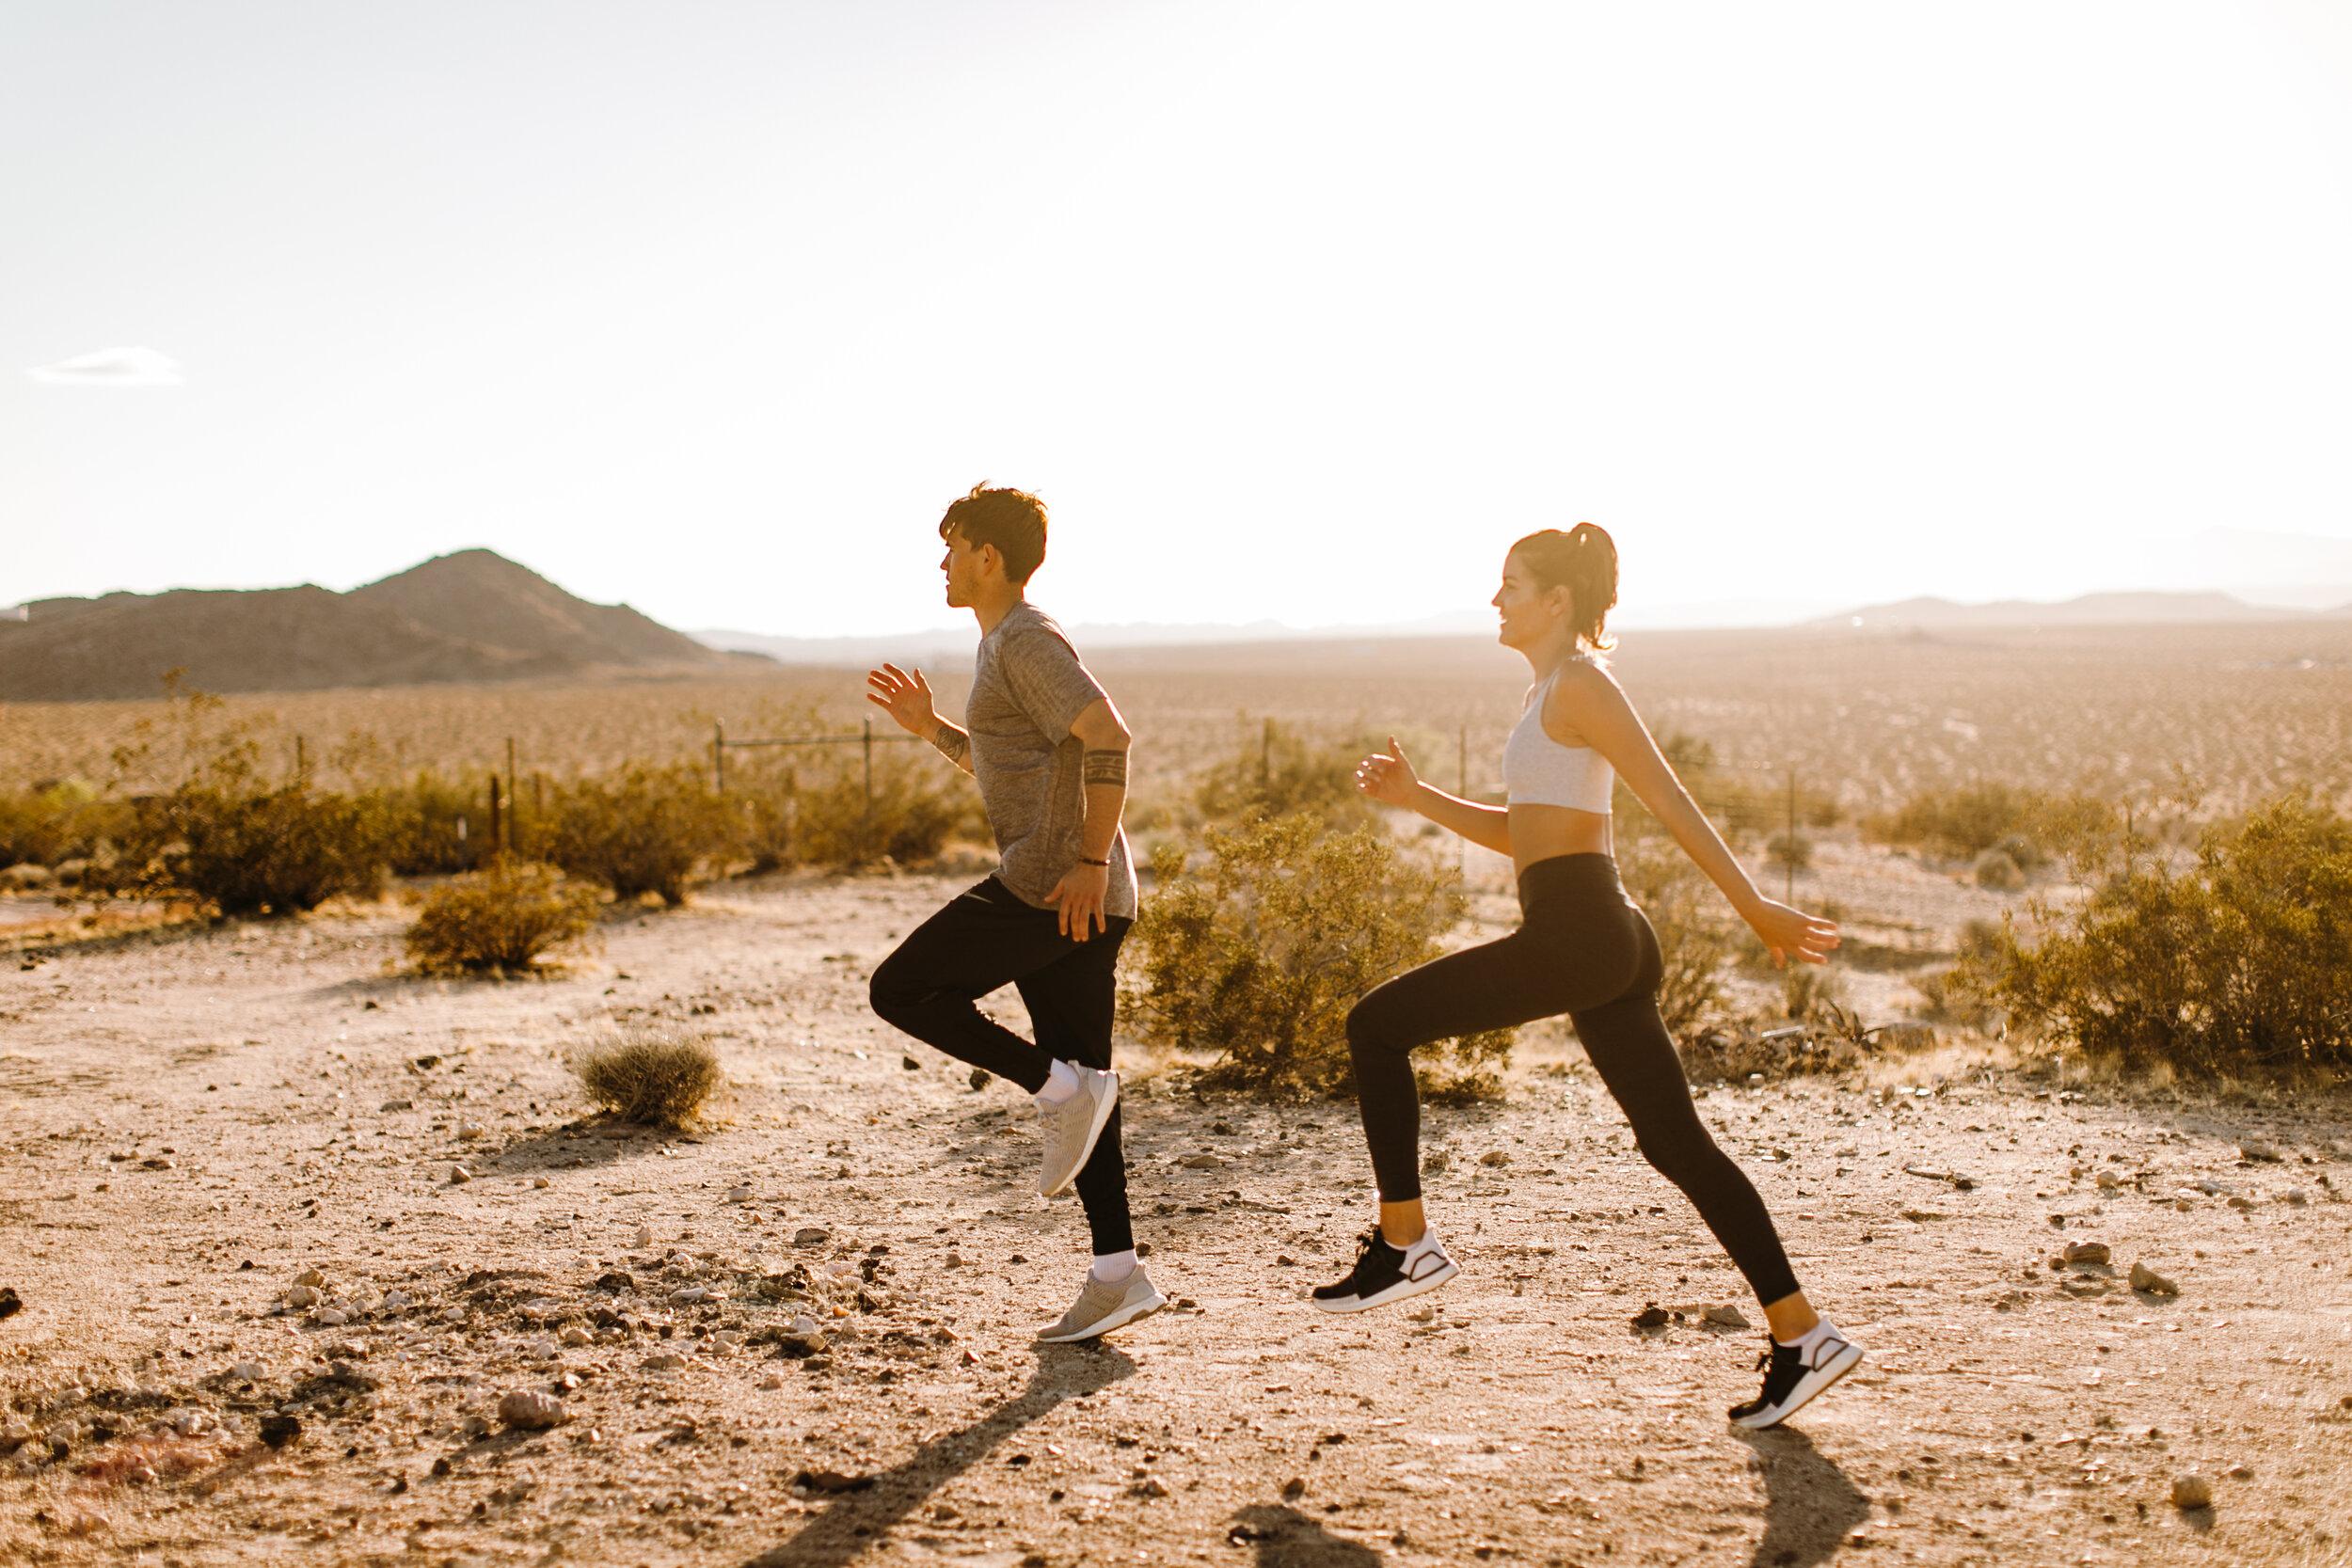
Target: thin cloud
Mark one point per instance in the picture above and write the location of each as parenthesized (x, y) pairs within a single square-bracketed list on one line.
[(111, 367)]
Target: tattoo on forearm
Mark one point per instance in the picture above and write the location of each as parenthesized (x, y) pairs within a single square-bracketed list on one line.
[(952, 742), (1105, 766)]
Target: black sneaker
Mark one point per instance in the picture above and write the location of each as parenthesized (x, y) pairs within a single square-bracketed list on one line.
[(1380, 1276), (1793, 1376)]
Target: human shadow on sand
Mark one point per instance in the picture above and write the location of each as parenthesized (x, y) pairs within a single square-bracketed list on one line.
[(1286, 1537), (868, 1506), (1810, 1506)]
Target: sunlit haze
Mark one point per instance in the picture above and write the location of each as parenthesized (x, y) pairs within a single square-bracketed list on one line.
[(1289, 312)]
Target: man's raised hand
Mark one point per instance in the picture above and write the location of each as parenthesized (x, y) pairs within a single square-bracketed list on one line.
[(905, 696)]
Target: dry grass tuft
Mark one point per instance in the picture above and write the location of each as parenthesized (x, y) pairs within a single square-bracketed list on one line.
[(499, 920), (650, 1074)]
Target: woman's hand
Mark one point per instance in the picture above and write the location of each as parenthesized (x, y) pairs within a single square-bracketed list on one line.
[(906, 698), (1387, 777), (1793, 933)]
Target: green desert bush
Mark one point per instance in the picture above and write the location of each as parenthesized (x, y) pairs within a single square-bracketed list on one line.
[(1281, 772), (1965, 821), (644, 828), (2239, 959), (650, 1074), (1259, 951), (500, 919), (1794, 851)]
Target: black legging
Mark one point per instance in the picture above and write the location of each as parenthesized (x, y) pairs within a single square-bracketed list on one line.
[(1584, 949)]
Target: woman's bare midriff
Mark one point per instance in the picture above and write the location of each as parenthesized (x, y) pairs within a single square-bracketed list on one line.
[(1543, 833)]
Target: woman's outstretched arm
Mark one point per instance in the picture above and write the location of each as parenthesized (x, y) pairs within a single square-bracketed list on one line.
[(1589, 701), (1388, 777)]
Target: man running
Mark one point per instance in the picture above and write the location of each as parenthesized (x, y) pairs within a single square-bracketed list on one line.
[(1049, 753)]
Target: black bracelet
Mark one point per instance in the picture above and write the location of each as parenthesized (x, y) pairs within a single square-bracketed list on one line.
[(1083, 861)]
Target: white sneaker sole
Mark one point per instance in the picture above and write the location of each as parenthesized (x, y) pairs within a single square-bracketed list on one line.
[(1102, 1109), (1814, 1383), (1397, 1292), (1119, 1319)]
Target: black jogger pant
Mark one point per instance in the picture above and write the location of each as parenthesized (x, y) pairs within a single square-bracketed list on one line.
[(986, 939), (1584, 949)]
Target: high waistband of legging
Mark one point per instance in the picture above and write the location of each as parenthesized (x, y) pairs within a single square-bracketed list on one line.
[(1570, 879)]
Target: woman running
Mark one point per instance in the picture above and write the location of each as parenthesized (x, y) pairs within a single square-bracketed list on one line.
[(1582, 948)]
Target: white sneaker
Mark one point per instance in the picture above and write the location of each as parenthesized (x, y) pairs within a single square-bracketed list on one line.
[(1792, 1376), (1384, 1273), (1102, 1305), (1071, 1128)]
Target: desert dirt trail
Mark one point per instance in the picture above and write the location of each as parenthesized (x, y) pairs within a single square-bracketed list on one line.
[(173, 1110)]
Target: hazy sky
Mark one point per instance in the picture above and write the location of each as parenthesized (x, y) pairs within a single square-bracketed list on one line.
[(1290, 310)]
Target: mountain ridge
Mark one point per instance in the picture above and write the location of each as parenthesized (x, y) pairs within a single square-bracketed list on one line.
[(467, 617)]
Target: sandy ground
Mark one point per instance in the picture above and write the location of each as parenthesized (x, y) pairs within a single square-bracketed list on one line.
[(189, 1121)]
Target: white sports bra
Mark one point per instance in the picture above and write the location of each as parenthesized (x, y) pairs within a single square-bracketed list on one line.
[(1537, 770)]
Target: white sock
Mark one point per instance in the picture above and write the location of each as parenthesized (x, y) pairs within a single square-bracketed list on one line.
[(1112, 1267), (1811, 1337), (1062, 1082)]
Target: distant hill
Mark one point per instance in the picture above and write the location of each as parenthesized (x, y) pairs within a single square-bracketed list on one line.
[(2090, 609), (471, 616)]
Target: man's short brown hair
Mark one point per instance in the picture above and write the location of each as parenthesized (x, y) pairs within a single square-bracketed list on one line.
[(1012, 520)]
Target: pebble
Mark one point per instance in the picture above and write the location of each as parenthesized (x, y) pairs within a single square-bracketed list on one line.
[(398, 1106), (772, 1381), (2239, 1472), (642, 1237), (2259, 1149), (541, 1182), (738, 1195), (2148, 1279), (303, 1295), (687, 1295), (458, 1174), (811, 1235), (279, 1431), (2087, 1252), (2191, 1491), (471, 1130), (396, 1301), (247, 1371), (577, 1335), (806, 1326), (1203, 1161), (1495, 1157), (311, 1277), (2295, 1197), (333, 1317), (665, 1362), (530, 1409), (1727, 1317)]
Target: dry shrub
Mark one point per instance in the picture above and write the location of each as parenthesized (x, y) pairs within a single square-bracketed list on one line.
[(1999, 872), (500, 919), (229, 839), (1259, 953), (421, 814), (650, 1074), (1695, 936), (644, 828), (1279, 772), (57, 821), (2240, 960), (919, 802)]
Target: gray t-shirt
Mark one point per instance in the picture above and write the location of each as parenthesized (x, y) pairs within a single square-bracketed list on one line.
[(1028, 687)]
